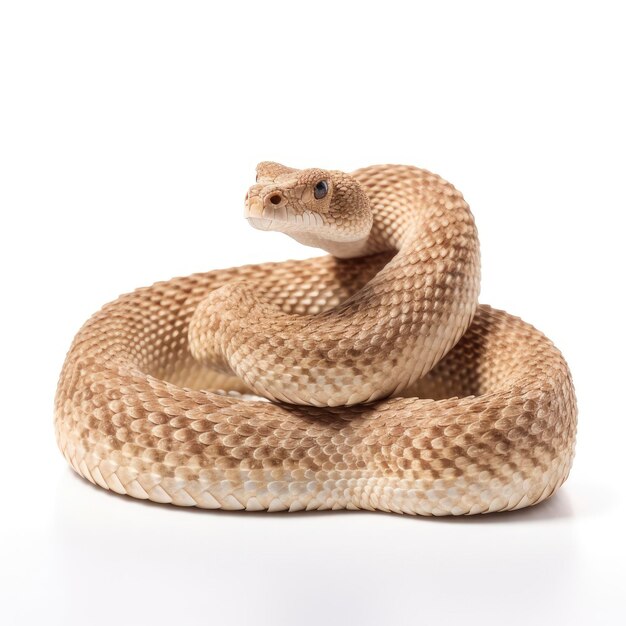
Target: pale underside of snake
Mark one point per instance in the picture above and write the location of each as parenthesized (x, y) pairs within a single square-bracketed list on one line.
[(389, 387)]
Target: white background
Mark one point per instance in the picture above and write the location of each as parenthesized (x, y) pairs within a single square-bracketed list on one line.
[(129, 133)]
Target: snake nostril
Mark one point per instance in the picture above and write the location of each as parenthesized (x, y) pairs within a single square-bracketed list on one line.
[(276, 198)]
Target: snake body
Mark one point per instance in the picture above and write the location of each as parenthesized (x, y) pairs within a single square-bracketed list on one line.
[(390, 388)]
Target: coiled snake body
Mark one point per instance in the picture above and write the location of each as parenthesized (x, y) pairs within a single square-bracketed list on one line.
[(390, 388)]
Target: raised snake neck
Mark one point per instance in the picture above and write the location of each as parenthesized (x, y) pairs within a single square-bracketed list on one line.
[(383, 337)]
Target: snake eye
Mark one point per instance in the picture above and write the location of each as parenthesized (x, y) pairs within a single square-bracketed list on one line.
[(320, 190)]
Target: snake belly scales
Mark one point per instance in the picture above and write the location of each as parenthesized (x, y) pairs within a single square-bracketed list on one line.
[(370, 378)]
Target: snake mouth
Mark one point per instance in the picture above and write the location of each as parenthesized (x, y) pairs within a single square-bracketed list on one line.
[(280, 218)]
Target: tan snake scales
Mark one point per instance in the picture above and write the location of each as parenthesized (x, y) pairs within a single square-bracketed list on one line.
[(391, 388)]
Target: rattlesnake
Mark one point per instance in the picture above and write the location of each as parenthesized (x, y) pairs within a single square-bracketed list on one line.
[(390, 388)]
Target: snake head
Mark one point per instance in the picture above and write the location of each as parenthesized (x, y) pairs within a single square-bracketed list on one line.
[(326, 209)]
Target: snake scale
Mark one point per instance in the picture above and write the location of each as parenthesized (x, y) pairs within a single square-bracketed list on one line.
[(370, 378)]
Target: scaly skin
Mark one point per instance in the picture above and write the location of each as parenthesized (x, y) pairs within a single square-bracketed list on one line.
[(380, 340), (490, 427)]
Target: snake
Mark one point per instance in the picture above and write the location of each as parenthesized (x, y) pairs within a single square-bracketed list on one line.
[(369, 378)]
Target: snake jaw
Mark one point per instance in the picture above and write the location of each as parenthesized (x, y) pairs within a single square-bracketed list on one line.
[(307, 228), (255, 214), (264, 216), (254, 207)]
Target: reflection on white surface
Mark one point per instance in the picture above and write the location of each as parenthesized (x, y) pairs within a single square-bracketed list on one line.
[(113, 558)]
